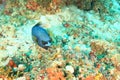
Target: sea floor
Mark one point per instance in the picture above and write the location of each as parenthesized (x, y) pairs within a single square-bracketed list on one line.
[(85, 46)]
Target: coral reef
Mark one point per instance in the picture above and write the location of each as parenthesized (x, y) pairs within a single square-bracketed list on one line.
[(85, 40)]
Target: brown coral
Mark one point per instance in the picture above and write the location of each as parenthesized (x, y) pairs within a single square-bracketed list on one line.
[(101, 46)]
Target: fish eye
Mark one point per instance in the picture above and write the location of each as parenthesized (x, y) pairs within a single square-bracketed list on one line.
[(50, 40)]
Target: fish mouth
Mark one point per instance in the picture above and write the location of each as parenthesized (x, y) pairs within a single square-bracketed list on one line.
[(48, 44)]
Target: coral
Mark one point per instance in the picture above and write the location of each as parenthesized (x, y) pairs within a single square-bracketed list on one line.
[(54, 6), (21, 78), (101, 46), (12, 64), (54, 56), (116, 74), (90, 77), (57, 54), (47, 6), (99, 76), (115, 59), (71, 31), (84, 4), (5, 73), (32, 5), (44, 3), (96, 5), (92, 55), (55, 74)]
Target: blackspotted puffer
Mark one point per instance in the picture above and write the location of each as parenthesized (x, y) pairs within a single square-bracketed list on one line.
[(41, 36)]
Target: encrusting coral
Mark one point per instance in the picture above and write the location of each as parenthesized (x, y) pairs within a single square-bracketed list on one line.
[(100, 46), (55, 74), (32, 5), (52, 73)]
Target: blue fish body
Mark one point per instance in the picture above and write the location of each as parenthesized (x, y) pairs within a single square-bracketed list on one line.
[(41, 36)]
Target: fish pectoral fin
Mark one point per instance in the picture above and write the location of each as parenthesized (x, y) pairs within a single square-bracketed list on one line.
[(35, 39)]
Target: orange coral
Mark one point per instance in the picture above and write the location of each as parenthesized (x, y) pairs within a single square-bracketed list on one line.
[(32, 5), (57, 2), (2, 77), (55, 74), (12, 64)]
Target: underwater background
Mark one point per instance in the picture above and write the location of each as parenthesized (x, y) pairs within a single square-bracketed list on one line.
[(59, 39)]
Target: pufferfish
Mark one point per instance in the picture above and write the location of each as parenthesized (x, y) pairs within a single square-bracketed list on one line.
[(41, 37)]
